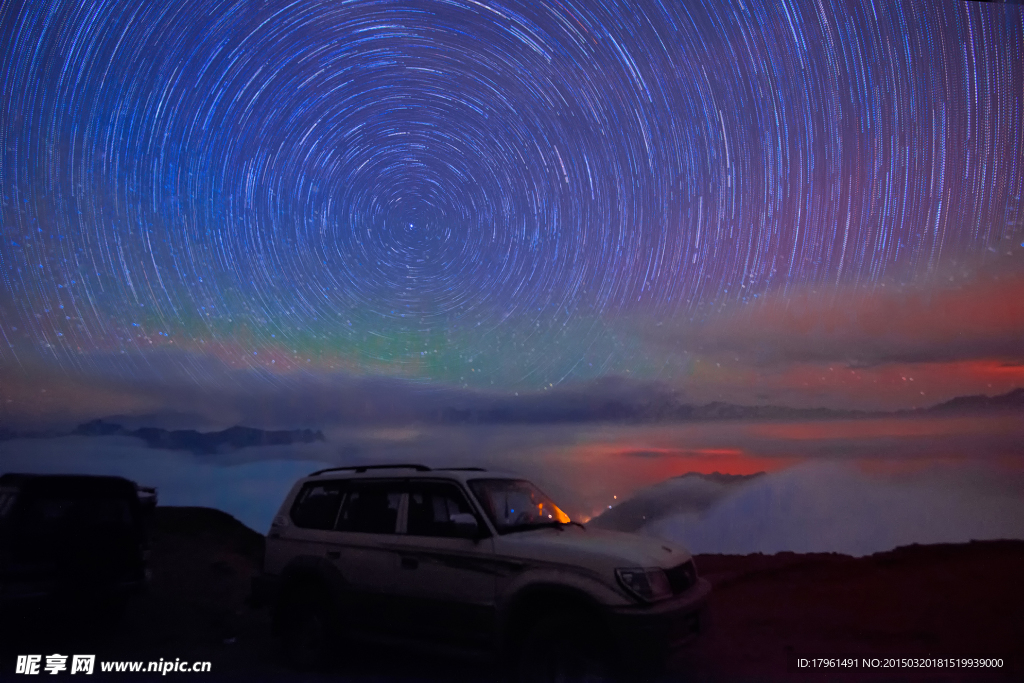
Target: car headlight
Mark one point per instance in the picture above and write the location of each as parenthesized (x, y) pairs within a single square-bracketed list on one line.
[(646, 583)]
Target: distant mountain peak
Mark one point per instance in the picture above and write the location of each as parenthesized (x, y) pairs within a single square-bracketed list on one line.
[(1009, 400), (202, 443)]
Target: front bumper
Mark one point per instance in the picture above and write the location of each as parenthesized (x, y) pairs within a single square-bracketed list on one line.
[(649, 634)]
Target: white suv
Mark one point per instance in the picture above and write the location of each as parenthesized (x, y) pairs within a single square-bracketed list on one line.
[(474, 559)]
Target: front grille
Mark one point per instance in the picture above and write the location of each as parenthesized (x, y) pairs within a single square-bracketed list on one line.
[(682, 577)]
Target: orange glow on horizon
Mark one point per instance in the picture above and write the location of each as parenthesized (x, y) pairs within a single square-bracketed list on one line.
[(656, 463)]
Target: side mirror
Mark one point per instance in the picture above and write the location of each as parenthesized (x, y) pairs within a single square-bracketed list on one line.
[(465, 525)]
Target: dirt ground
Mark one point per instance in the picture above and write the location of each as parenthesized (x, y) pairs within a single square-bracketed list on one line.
[(948, 601), (767, 612)]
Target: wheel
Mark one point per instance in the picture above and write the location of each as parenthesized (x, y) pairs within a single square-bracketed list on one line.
[(563, 647), (307, 630)]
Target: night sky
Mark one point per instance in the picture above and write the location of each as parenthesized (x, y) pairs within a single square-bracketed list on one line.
[(793, 202)]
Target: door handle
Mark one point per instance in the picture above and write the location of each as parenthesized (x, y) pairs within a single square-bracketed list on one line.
[(333, 554), (410, 563)]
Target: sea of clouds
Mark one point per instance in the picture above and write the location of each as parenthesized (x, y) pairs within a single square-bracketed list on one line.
[(251, 490), (818, 506), (838, 507)]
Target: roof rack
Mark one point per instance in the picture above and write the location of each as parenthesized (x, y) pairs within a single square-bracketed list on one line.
[(359, 469)]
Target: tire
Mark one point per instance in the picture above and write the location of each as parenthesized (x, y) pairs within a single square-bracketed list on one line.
[(307, 629), (563, 647)]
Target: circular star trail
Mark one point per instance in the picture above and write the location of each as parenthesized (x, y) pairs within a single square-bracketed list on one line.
[(469, 190)]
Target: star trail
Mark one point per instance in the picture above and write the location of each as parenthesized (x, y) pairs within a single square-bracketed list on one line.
[(476, 192)]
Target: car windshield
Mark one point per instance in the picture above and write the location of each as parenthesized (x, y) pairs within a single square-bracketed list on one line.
[(516, 505)]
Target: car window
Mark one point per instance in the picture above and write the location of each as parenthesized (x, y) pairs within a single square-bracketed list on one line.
[(431, 505), (317, 505), (371, 508)]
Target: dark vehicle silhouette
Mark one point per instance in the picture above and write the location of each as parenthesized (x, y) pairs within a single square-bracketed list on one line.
[(475, 560), (73, 540)]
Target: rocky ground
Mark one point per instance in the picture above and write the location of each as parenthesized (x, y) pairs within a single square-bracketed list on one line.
[(767, 612), (916, 601)]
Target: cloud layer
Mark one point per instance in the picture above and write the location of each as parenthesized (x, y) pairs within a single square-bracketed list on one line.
[(855, 484), (830, 507), (980, 318)]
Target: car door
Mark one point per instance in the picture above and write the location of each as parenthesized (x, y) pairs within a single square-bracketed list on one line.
[(29, 551), (311, 540), (36, 547), (363, 551), (446, 582)]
